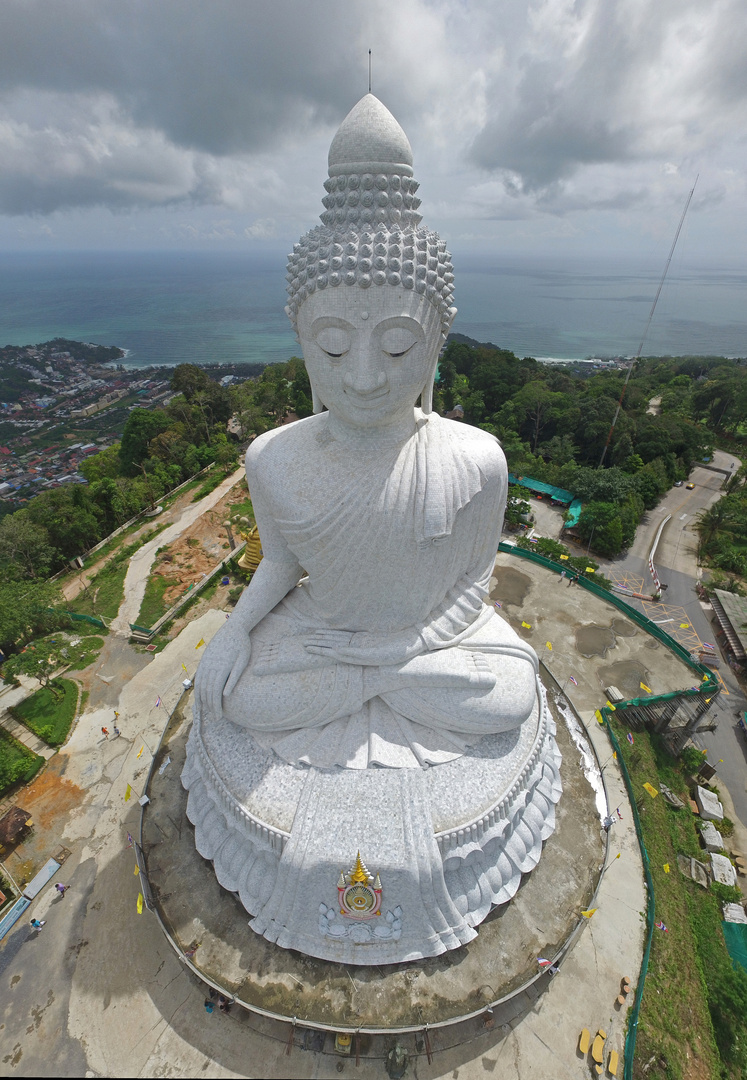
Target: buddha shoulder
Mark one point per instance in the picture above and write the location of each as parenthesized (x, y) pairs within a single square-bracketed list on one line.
[(478, 445), (282, 448)]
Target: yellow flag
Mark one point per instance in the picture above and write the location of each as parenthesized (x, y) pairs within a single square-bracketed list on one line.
[(128, 792), (549, 645), (646, 688), (200, 642), (704, 679), (614, 754), (140, 751), (140, 903), (651, 790), (185, 668), (588, 914), (527, 625), (565, 556), (708, 701), (611, 706), (137, 869), (599, 716), (666, 867), (684, 626), (590, 570)]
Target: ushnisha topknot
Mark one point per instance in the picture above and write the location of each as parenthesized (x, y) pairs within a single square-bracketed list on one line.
[(371, 232)]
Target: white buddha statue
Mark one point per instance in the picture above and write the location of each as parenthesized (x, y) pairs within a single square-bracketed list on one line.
[(364, 638)]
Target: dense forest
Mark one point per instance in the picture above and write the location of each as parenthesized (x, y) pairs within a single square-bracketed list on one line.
[(554, 424)]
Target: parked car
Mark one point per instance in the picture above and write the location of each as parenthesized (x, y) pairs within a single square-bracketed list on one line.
[(678, 483), (689, 486)]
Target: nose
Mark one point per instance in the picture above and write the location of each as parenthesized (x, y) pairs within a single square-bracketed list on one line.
[(364, 373)]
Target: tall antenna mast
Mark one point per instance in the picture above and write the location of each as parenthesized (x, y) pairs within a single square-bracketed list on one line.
[(648, 324), (369, 71)]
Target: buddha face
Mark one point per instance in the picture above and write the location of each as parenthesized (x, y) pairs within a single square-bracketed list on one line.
[(369, 352)]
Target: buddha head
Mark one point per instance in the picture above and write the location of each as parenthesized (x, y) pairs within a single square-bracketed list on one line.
[(370, 289)]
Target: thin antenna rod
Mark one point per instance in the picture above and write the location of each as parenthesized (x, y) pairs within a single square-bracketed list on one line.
[(648, 323), (369, 71)]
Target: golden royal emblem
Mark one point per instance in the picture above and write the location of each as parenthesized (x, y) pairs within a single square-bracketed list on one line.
[(359, 894)]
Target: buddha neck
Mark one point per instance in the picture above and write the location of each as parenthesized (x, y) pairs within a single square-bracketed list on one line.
[(393, 434)]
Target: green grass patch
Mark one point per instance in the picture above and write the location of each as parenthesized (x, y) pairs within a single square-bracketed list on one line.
[(104, 593), (81, 655), (694, 1007), (215, 477), (18, 764), (243, 508), (47, 715), (154, 605)]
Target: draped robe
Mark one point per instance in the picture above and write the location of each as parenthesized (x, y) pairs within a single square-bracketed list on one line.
[(393, 539)]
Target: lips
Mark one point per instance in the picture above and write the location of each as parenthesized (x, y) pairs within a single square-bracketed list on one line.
[(369, 400)]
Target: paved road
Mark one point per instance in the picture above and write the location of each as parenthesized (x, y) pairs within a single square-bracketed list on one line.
[(677, 565)]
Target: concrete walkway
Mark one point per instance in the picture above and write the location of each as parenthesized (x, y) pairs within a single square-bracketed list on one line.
[(142, 561), (11, 696)]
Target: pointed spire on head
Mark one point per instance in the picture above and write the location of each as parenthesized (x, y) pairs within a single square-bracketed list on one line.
[(369, 140)]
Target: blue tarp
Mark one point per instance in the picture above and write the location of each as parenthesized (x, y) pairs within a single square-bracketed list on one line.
[(13, 915)]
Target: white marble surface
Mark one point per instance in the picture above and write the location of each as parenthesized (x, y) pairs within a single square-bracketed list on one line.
[(444, 883), (722, 870), (363, 695), (711, 837), (708, 804)]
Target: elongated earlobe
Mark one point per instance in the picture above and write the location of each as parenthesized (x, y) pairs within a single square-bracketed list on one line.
[(426, 400), (316, 403)]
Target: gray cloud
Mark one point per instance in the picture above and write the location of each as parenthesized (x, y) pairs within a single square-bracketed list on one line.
[(595, 82), (519, 112)]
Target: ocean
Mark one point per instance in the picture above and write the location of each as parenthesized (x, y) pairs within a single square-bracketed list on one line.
[(175, 307)]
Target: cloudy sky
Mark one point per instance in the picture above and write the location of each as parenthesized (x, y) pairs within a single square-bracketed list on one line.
[(538, 125)]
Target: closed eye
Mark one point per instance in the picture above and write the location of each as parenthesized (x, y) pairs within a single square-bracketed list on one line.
[(397, 342), (334, 341)]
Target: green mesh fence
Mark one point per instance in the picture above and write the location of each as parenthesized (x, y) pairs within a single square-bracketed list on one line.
[(735, 935), (86, 618), (708, 683)]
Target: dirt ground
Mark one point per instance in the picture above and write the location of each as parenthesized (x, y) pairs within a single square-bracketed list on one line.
[(49, 800), (202, 546)]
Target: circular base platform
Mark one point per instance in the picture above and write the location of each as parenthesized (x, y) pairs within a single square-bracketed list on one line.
[(199, 915)]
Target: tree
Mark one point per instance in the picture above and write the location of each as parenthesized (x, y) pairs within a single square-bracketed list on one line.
[(188, 379), (25, 550), (142, 426), (27, 608), (101, 466), (39, 661), (600, 524), (69, 516), (539, 404)]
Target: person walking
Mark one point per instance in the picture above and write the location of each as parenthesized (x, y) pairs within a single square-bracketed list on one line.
[(61, 889), (562, 574), (117, 732), (105, 732), (37, 924)]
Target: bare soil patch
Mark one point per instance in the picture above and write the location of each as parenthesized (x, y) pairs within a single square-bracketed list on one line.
[(199, 549)]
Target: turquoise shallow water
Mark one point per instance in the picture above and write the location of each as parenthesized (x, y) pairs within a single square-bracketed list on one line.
[(167, 308)]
